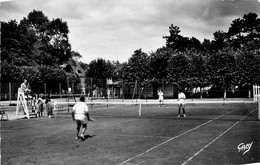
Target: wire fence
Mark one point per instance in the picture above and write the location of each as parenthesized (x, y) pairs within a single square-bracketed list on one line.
[(116, 90)]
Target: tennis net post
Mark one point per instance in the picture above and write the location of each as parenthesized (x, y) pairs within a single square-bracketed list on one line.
[(258, 108), (140, 110)]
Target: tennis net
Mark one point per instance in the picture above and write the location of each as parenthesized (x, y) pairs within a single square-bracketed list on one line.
[(199, 109)]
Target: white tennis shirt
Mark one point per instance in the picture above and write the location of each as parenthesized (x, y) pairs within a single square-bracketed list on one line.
[(181, 97), (80, 109), (160, 95)]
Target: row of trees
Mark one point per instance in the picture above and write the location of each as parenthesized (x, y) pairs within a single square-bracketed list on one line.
[(224, 70), (231, 60)]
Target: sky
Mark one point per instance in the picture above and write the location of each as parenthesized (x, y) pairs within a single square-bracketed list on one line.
[(114, 29)]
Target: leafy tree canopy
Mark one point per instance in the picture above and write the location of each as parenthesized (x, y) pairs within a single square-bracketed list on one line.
[(35, 41)]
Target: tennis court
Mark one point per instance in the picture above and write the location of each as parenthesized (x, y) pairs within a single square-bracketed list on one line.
[(212, 133)]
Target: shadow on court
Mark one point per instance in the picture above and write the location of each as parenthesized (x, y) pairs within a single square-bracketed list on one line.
[(211, 139), (87, 137)]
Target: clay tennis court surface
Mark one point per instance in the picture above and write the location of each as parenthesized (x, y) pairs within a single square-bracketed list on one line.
[(197, 139)]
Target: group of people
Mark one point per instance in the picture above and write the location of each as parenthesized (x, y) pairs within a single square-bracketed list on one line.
[(80, 112), (81, 115), (37, 101), (181, 102)]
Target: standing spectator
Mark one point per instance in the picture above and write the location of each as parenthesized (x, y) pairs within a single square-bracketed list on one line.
[(33, 103), (39, 106), (49, 107)]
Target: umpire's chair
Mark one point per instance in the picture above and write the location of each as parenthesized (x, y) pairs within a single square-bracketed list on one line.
[(21, 101)]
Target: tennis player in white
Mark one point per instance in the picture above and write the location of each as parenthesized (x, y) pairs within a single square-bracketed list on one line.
[(160, 94), (181, 103), (81, 116)]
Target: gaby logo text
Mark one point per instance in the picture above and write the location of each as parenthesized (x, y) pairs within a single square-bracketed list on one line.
[(244, 147)]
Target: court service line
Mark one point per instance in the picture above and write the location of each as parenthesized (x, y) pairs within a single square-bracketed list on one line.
[(217, 138), (173, 138)]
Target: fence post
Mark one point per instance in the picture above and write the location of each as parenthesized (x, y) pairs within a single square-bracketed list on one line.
[(60, 90), (0, 87), (91, 92), (72, 87), (163, 85), (113, 92), (254, 92), (10, 92), (45, 90), (140, 110), (258, 107), (122, 90)]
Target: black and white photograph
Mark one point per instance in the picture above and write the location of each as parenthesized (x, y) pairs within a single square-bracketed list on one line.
[(129, 82)]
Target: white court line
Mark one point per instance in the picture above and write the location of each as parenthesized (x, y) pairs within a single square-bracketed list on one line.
[(140, 136), (172, 139), (216, 138)]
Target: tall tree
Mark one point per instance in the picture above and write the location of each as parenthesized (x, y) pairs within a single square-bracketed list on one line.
[(197, 74), (159, 62), (178, 68), (175, 40), (137, 68), (36, 41), (244, 30), (222, 67), (17, 44), (219, 41), (59, 46), (35, 25), (248, 67), (99, 70)]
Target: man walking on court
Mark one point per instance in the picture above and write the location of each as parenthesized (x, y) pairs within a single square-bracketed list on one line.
[(81, 116), (181, 103)]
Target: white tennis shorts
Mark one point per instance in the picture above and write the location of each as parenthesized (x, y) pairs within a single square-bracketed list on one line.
[(181, 102), (81, 117)]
